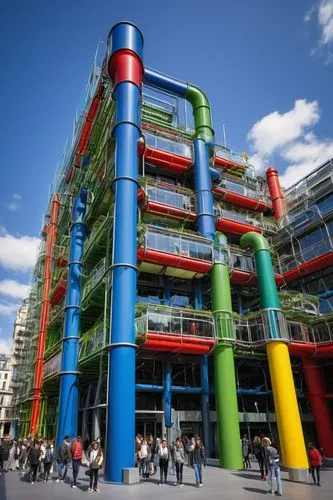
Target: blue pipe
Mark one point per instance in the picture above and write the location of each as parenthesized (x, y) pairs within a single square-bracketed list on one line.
[(326, 295), (214, 174), (121, 371), (167, 393), (159, 80), (68, 395)]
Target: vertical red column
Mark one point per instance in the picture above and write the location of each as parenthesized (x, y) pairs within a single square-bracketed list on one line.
[(316, 395), (50, 241), (278, 201)]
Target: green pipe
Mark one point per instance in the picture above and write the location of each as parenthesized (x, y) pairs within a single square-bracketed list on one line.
[(224, 366), (201, 113)]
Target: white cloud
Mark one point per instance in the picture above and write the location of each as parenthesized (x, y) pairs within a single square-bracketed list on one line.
[(289, 138), (13, 288), (5, 346), (17, 252), (14, 204), (276, 130), (308, 14), (325, 20), (8, 308)]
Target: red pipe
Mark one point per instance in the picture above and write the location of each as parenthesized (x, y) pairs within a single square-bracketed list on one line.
[(234, 227), (178, 164), (310, 349), (173, 260), (50, 241), (316, 395), (85, 132), (172, 212), (278, 201), (187, 345), (242, 201)]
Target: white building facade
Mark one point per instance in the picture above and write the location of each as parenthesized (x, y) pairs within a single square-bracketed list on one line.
[(6, 411)]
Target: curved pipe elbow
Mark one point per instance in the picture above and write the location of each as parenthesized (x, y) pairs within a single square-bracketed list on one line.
[(214, 174), (201, 112), (255, 241)]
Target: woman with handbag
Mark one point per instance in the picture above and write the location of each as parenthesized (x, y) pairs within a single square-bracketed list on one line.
[(95, 463)]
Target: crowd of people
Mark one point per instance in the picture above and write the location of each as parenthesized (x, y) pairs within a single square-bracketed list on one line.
[(268, 458), (151, 453), (38, 459)]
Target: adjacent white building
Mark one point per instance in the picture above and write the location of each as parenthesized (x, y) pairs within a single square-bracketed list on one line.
[(6, 413)]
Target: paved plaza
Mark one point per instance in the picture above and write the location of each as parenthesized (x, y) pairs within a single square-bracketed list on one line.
[(217, 484)]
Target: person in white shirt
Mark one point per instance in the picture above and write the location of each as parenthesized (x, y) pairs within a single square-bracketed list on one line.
[(163, 453), (95, 463)]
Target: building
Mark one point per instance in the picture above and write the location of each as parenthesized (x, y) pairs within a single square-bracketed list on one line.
[(155, 306), (5, 395)]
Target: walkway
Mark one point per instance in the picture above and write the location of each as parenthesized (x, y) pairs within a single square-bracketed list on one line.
[(218, 484)]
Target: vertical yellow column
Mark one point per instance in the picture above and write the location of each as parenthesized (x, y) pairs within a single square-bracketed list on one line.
[(286, 408)]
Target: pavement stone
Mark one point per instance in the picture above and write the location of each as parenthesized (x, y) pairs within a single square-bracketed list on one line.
[(218, 484)]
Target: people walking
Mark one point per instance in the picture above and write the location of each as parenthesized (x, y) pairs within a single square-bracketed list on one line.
[(63, 459), (143, 458), (163, 453), (5, 453), (23, 454), (179, 459), (246, 452), (47, 460), (260, 454), (316, 462), (199, 460), (95, 463), (76, 452), (34, 457), (273, 463)]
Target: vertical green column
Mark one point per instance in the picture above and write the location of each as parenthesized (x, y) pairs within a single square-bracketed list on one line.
[(224, 365)]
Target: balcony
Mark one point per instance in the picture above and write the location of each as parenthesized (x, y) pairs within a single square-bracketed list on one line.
[(160, 328), (162, 251), (170, 153), (236, 222), (168, 201), (92, 341), (95, 244), (94, 289), (240, 194), (52, 366)]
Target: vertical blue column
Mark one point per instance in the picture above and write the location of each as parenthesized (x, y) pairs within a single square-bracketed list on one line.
[(68, 395), (205, 410), (203, 190), (125, 69), (167, 392)]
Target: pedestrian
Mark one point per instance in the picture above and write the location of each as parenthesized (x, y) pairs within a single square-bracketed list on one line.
[(173, 465), (190, 444), (47, 460), (76, 452), (2, 452), (163, 453), (260, 454), (5, 453), (246, 452), (199, 460), (34, 458), (23, 455), (179, 459), (95, 463), (143, 458), (315, 461), (63, 459), (273, 463)]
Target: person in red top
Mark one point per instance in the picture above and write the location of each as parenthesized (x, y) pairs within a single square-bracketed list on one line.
[(77, 451), (315, 463)]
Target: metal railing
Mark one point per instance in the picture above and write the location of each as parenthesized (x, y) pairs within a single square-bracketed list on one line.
[(182, 148), (92, 341), (171, 196), (182, 244), (52, 366), (176, 322)]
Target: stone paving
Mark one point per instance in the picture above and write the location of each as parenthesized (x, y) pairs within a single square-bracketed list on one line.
[(217, 484)]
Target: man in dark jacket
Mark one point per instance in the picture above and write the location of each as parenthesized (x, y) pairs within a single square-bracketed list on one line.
[(64, 457), (4, 454), (34, 459)]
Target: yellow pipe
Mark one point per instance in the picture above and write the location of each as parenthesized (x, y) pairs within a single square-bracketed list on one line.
[(289, 424)]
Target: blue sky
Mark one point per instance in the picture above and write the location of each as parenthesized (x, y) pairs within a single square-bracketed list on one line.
[(266, 67)]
